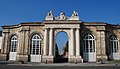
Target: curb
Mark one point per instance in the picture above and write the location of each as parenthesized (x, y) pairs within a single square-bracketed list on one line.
[(67, 64)]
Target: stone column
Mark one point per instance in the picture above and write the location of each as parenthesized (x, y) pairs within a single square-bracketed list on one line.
[(51, 42), (45, 42), (77, 42), (71, 51), (50, 56), (78, 56), (72, 43)]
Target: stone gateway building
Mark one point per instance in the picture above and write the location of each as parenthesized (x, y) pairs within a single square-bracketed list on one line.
[(36, 41)]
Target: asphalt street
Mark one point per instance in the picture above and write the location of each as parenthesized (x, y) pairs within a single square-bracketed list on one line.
[(5, 66)]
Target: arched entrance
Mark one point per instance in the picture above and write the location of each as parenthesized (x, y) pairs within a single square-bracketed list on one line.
[(89, 49), (52, 28), (61, 47), (35, 55)]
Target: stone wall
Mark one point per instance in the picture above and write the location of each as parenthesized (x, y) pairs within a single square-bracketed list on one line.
[(24, 32)]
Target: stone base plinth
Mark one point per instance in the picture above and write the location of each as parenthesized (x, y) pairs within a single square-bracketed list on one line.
[(3, 57), (74, 18), (75, 59), (49, 18), (102, 58), (48, 59), (22, 58)]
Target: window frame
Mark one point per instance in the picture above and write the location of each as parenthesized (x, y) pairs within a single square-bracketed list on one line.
[(114, 46), (36, 44), (89, 43), (13, 44)]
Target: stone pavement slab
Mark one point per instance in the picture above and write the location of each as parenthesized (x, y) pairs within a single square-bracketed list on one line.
[(56, 64), (67, 64)]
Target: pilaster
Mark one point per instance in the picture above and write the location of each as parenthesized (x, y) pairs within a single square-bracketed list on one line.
[(5, 45), (24, 44), (50, 56), (101, 54), (45, 53)]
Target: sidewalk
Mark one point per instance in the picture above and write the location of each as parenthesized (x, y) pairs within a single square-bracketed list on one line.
[(68, 64), (56, 64), (6, 62)]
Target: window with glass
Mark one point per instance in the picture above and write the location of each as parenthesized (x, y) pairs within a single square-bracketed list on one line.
[(89, 43), (13, 44), (113, 44), (36, 45)]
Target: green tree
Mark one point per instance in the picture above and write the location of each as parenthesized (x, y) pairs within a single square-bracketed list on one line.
[(56, 50), (66, 47)]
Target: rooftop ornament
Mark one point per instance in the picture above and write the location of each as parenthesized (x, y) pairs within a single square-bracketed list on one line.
[(62, 16)]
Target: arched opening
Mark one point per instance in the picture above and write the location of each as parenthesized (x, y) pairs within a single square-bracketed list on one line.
[(35, 53), (13, 48), (89, 53), (114, 48), (61, 47)]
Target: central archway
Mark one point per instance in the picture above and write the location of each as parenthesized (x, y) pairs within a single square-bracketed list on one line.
[(61, 44)]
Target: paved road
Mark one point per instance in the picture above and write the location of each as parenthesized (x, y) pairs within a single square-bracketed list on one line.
[(3, 66)]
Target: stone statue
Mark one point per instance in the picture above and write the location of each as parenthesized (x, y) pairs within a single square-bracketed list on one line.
[(74, 16), (49, 16), (75, 13), (62, 16), (50, 13)]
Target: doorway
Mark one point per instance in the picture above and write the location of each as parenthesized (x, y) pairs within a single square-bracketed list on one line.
[(13, 48), (89, 53), (36, 49)]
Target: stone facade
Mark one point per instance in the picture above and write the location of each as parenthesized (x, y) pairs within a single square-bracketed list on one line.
[(48, 29), (0, 39)]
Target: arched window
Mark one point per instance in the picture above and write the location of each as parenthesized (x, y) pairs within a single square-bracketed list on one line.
[(36, 45), (113, 44), (89, 43), (14, 44)]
